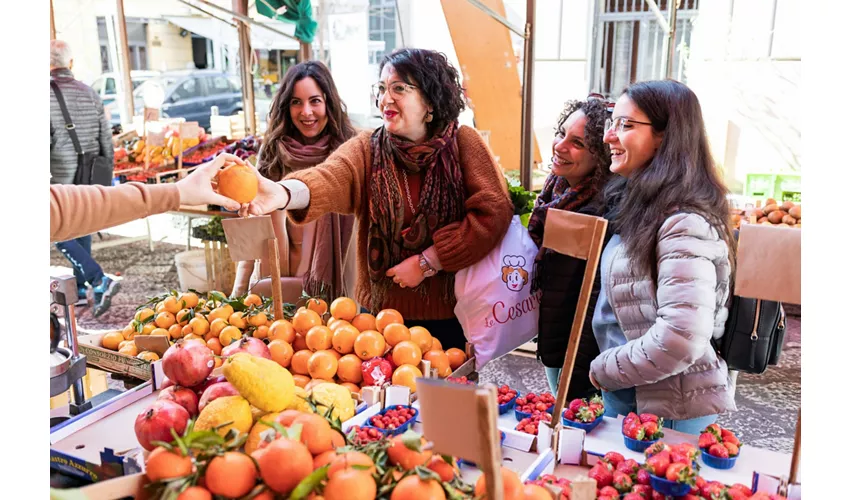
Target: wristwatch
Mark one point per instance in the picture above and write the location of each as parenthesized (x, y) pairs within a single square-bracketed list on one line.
[(425, 267)]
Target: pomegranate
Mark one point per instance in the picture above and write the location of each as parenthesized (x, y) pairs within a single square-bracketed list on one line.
[(166, 384), (216, 391), (200, 388), (188, 363), (376, 371), (157, 420), (183, 396), (247, 344)]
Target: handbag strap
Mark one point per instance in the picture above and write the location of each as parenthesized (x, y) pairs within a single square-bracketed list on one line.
[(69, 125)]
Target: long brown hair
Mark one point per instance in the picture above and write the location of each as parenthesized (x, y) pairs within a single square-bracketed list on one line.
[(280, 122), (682, 176)]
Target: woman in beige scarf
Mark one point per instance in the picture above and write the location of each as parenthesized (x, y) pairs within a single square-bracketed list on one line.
[(307, 122)]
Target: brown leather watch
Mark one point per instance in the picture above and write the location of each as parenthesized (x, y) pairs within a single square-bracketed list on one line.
[(425, 267)]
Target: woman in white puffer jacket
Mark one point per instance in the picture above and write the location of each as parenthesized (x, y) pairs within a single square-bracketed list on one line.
[(666, 271)]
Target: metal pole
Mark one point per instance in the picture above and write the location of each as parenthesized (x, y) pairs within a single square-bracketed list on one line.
[(671, 45), (124, 59), (241, 7), (52, 23), (527, 149)]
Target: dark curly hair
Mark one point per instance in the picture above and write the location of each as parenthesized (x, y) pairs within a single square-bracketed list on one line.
[(596, 111), (435, 77)]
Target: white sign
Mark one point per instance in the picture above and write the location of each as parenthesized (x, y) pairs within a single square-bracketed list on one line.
[(349, 47)]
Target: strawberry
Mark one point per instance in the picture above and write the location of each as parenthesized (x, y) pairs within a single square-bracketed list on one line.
[(597, 409), (634, 496), (728, 437), (658, 496), (629, 467), (634, 430), (706, 439), (743, 488), (719, 451), (677, 457), (699, 484), (585, 415), (760, 495), (576, 404), (643, 477), (608, 491), (622, 482), (644, 490), (648, 417), (656, 448), (714, 489), (688, 449), (570, 415), (736, 494), (650, 430), (603, 476), (681, 473), (613, 458), (733, 449), (714, 429), (658, 464), (631, 417)]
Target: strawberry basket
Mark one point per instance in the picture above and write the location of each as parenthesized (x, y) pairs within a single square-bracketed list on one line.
[(718, 462), (636, 444), (521, 414), (504, 408), (668, 488), (586, 427), (401, 428)]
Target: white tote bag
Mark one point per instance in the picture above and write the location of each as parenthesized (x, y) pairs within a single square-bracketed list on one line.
[(495, 304)]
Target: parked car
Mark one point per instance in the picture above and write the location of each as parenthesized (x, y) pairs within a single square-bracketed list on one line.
[(190, 94), (107, 84)]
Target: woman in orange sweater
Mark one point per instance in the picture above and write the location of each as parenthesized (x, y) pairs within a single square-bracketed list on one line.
[(428, 195)]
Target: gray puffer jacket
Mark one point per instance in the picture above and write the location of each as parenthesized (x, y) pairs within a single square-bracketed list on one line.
[(90, 122), (668, 357)]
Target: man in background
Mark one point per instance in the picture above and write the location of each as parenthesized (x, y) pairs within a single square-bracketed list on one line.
[(85, 110)]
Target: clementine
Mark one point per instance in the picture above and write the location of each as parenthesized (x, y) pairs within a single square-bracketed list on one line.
[(216, 326), (165, 319), (112, 340), (348, 369), (189, 300), (343, 339), (421, 336), (175, 331), (348, 459), (252, 299), (344, 308), (300, 380), (281, 352), (300, 343), (436, 345), (215, 346), (414, 488), (324, 459), (231, 475), (322, 364), (238, 320), (164, 464), (262, 332), (304, 320), (317, 305), (442, 468), (319, 338), (406, 352), (283, 464), (238, 182), (399, 454), (316, 433), (395, 333), (511, 485), (440, 362), (406, 375), (351, 484), (353, 388), (456, 357), (364, 321), (535, 492), (300, 362), (258, 319), (229, 334), (195, 493), (387, 317), (172, 305), (282, 330), (369, 344)]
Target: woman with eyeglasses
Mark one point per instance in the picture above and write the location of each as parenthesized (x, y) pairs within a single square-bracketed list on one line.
[(427, 193), (666, 271), (307, 122), (580, 162)]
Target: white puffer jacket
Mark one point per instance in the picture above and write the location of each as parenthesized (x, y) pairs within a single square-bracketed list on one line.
[(668, 357)]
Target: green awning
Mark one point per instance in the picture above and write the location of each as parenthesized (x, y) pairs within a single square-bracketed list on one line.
[(298, 12)]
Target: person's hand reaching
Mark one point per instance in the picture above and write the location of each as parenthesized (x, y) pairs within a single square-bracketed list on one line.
[(271, 196), (197, 187)]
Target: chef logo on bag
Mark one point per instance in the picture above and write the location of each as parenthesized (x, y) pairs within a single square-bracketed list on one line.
[(513, 274)]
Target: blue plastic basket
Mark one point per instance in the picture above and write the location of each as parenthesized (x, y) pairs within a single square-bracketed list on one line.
[(638, 446), (461, 461), (581, 425), (521, 415), (669, 488), (509, 405), (718, 462), (400, 429)]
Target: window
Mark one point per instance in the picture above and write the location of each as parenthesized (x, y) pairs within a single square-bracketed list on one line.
[(630, 44), (97, 86), (382, 26), (187, 90), (110, 86), (218, 85)]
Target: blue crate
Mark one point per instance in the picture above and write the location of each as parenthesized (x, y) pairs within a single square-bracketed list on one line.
[(638, 446), (718, 462), (581, 425), (509, 405), (401, 429), (669, 488), (521, 415)]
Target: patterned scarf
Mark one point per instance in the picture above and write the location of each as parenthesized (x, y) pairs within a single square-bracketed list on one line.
[(440, 203), (557, 193)]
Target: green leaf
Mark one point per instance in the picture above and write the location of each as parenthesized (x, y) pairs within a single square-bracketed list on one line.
[(412, 440), (309, 483)]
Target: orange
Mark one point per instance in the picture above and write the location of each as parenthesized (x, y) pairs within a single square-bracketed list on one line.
[(353, 388), (348, 369), (299, 362), (254, 436), (160, 307), (304, 320), (229, 334), (401, 455), (316, 433), (165, 320), (147, 329), (421, 336), (406, 375), (510, 482), (333, 321), (125, 342), (283, 464), (414, 488), (217, 326), (339, 323), (218, 362), (231, 475), (324, 459), (319, 338), (189, 300), (112, 340), (144, 314), (129, 332), (187, 330), (343, 339), (442, 468), (219, 312), (387, 317), (535, 492), (344, 308), (129, 349), (407, 352), (237, 319), (183, 316), (333, 353), (395, 333), (215, 346), (164, 464), (369, 344), (364, 321), (456, 357), (282, 330), (238, 182), (148, 356), (252, 299), (317, 305), (322, 364), (300, 380), (200, 326), (337, 439), (281, 352), (158, 331), (351, 484), (347, 460), (196, 493), (172, 305), (435, 344), (440, 362), (300, 343), (175, 331), (258, 319), (261, 332)]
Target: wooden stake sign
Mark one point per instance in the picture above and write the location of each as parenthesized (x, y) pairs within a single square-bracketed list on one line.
[(252, 238), (148, 115), (188, 129)]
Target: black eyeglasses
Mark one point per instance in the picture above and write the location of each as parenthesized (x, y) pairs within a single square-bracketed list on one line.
[(620, 123)]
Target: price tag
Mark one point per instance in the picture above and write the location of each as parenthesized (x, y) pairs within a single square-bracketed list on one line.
[(151, 114), (156, 138), (189, 129)]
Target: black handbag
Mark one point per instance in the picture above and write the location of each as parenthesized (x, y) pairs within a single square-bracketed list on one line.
[(92, 168), (754, 335)]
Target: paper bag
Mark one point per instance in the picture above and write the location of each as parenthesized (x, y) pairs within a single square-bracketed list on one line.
[(769, 263), (248, 237)]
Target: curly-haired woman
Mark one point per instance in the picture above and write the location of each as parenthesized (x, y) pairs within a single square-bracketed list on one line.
[(428, 194), (307, 122), (580, 162)]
